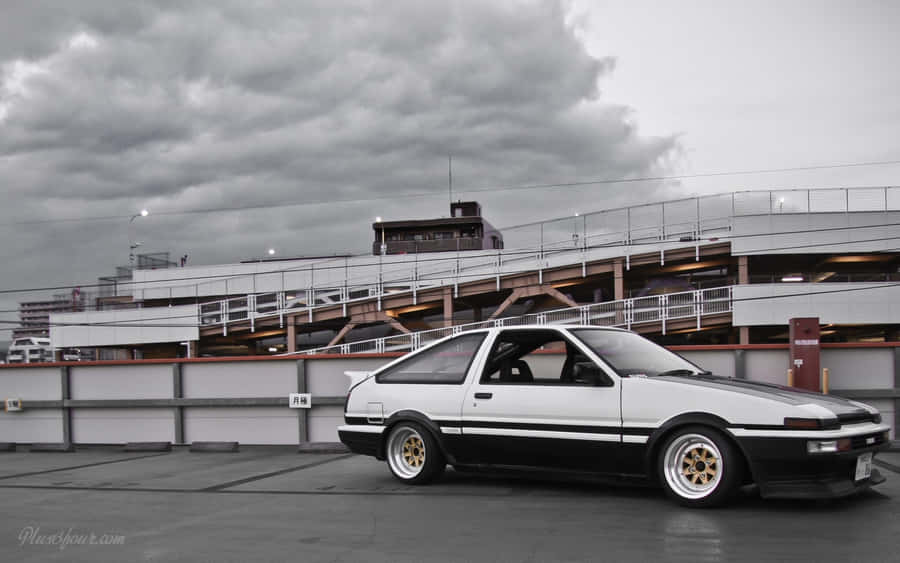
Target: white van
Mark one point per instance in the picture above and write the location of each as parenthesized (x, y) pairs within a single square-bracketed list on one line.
[(29, 351)]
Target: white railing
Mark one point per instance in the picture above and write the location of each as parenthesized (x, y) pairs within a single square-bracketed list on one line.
[(530, 248), (625, 313)]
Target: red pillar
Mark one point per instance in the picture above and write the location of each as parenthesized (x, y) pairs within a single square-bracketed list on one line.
[(804, 338)]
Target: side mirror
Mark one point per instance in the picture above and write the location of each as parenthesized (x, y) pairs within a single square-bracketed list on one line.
[(590, 373)]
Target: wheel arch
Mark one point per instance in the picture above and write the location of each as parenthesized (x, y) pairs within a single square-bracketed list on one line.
[(419, 418), (660, 435)]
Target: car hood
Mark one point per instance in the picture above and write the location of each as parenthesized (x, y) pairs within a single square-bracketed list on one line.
[(844, 409)]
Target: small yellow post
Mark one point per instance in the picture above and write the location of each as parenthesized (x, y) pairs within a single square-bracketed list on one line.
[(790, 378), (825, 380)]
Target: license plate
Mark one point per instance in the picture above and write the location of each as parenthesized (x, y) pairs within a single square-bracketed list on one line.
[(863, 467)]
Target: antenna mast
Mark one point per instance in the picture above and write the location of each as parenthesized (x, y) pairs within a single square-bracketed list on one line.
[(450, 177)]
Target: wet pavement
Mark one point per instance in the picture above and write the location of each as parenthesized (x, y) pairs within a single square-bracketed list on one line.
[(273, 504)]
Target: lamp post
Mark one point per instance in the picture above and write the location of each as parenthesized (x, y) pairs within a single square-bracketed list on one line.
[(575, 229), (131, 244), (383, 243)]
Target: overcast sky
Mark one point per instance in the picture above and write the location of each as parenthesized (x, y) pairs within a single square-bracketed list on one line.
[(175, 106)]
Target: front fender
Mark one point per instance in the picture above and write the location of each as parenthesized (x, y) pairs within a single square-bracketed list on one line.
[(659, 436)]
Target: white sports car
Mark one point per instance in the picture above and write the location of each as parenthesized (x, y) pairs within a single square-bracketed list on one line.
[(611, 402)]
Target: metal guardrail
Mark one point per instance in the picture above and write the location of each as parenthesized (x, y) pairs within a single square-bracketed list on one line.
[(623, 313), (541, 245)]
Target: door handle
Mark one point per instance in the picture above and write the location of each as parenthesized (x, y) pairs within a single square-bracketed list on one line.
[(483, 395)]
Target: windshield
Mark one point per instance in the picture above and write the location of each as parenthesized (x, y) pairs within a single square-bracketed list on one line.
[(630, 354)]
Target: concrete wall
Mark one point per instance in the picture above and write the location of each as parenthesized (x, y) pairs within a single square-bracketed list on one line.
[(850, 232), (157, 324), (246, 400), (838, 303)]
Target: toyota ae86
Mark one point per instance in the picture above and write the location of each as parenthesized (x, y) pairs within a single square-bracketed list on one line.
[(606, 401)]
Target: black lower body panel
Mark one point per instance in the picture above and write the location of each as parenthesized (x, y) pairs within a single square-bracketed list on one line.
[(782, 468), (365, 443)]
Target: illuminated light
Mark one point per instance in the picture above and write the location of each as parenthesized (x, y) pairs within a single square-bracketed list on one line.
[(144, 213), (271, 251), (860, 258), (378, 219), (792, 279), (273, 349)]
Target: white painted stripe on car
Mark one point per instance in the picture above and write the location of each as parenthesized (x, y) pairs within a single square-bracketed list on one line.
[(857, 430), (368, 428), (626, 439), (451, 430), (515, 432)]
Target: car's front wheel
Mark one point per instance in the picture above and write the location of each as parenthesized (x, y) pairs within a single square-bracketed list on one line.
[(413, 454), (699, 467)]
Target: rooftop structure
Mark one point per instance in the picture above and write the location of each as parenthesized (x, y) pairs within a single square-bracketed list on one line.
[(465, 229)]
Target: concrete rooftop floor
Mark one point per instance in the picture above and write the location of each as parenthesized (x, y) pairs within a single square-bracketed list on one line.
[(273, 504)]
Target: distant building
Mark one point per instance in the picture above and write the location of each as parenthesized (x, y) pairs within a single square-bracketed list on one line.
[(34, 316), (112, 292), (465, 229)]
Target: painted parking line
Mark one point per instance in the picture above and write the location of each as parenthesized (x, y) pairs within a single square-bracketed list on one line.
[(405, 493), (82, 466), (260, 476), (886, 465)]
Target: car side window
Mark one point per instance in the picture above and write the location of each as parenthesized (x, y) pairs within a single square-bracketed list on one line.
[(539, 357), (446, 363)]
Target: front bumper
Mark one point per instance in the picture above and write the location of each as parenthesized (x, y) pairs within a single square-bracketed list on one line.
[(782, 468)]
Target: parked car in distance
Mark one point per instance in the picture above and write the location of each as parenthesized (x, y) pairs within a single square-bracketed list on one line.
[(610, 402), (29, 350)]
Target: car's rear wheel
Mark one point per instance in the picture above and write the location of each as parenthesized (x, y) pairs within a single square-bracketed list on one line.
[(699, 467), (413, 454)]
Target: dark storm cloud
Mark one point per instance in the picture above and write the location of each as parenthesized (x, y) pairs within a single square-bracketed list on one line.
[(108, 107)]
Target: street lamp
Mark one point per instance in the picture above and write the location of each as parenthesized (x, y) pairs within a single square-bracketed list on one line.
[(131, 244), (575, 229), (271, 252), (383, 243)]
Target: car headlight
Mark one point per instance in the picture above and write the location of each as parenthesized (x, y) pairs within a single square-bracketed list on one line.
[(828, 446)]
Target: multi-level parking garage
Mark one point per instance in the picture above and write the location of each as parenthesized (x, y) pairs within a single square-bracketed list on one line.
[(728, 268)]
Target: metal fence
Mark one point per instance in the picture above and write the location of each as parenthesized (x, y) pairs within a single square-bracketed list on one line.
[(623, 313)]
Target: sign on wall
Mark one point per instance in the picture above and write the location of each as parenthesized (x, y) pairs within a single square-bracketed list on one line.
[(299, 400)]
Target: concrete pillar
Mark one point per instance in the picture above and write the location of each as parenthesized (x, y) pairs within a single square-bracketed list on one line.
[(177, 392), (743, 270), (896, 386), (65, 393), (291, 336), (448, 306), (193, 349), (619, 279), (302, 414), (744, 278)]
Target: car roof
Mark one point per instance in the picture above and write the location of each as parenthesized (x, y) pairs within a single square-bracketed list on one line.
[(556, 326)]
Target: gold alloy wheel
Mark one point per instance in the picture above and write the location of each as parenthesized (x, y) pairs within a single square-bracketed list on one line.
[(693, 466), (405, 452), (700, 466), (414, 451)]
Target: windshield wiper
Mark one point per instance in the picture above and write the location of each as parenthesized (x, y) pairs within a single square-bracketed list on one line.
[(682, 372)]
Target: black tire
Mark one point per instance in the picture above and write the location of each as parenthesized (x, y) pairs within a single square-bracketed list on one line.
[(698, 467), (413, 454)]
